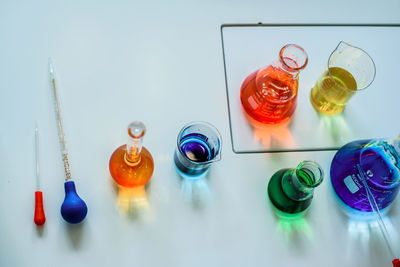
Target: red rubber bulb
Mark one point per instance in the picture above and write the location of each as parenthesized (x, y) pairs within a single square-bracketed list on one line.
[(40, 218), (396, 263)]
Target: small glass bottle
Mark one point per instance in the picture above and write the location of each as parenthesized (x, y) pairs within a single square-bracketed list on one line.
[(291, 190), (132, 164), (269, 95)]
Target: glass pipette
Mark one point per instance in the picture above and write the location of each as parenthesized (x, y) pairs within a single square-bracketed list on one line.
[(39, 217), (378, 216), (73, 209)]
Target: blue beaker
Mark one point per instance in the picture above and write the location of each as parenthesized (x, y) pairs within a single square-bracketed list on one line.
[(198, 146)]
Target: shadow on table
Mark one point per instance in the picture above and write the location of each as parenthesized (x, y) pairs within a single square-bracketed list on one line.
[(75, 233), (40, 230), (364, 235), (366, 238), (336, 126), (271, 136), (279, 136), (294, 228), (132, 202), (195, 190)]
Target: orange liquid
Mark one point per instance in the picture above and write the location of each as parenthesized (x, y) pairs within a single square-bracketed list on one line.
[(131, 176), (269, 95)]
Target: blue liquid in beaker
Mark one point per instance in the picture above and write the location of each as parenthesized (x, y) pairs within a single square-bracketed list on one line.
[(194, 154), (198, 146), (195, 149)]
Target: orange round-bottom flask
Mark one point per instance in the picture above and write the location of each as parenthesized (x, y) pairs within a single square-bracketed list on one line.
[(127, 175), (132, 164)]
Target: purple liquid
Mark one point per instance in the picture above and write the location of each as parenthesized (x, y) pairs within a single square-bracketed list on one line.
[(379, 171), (194, 150)]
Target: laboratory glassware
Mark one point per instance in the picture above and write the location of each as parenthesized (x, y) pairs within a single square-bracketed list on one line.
[(198, 146), (132, 164), (350, 69), (378, 160), (291, 190), (269, 95)]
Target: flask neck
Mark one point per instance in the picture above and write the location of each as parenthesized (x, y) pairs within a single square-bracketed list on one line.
[(133, 150), (298, 184), (136, 132), (287, 71), (292, 59)]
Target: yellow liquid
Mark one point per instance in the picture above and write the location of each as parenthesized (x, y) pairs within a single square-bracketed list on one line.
[(332, 92)]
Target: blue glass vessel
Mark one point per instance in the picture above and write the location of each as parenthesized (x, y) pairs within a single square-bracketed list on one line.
[(198, 146), (379, 162)]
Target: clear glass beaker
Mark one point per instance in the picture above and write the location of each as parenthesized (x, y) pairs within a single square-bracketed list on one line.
[(269, 95), (198, 146), (350, 69)]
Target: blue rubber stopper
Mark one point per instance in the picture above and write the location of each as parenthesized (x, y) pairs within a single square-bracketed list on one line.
[(73, 209)]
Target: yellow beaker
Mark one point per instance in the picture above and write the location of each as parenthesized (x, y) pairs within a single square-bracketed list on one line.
[(350, 69)]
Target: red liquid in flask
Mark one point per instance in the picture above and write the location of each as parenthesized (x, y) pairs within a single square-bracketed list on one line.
[(269, 95)]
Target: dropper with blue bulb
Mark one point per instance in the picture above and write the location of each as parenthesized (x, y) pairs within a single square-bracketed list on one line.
[(73, 209)]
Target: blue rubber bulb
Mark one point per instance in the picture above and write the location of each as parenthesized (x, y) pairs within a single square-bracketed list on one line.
[(73, 209)]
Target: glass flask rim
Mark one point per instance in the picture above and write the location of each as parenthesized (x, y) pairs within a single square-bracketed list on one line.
[(390, 186), (212, 127), (321, 173), (300, 49), (364, 52)]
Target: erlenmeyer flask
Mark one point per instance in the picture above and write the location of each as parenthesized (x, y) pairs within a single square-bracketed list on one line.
[(269, 95), (291, 190)]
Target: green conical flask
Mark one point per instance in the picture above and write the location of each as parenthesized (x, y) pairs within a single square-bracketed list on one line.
[(291, 190)]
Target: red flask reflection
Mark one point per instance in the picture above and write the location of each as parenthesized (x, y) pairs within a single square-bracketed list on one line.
[(269, 95)]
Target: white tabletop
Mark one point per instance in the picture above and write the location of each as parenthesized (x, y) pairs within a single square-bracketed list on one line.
[(161, 63)]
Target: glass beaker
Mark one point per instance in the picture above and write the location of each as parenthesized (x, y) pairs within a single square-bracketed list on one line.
[(291, 190), (269, 95), (198, 146), (350, 69), (379, 162)]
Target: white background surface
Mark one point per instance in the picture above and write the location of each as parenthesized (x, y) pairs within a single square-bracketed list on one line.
[(160, 62)]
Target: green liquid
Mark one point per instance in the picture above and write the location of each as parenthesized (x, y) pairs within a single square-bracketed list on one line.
[(306, 177), (281, 201)]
